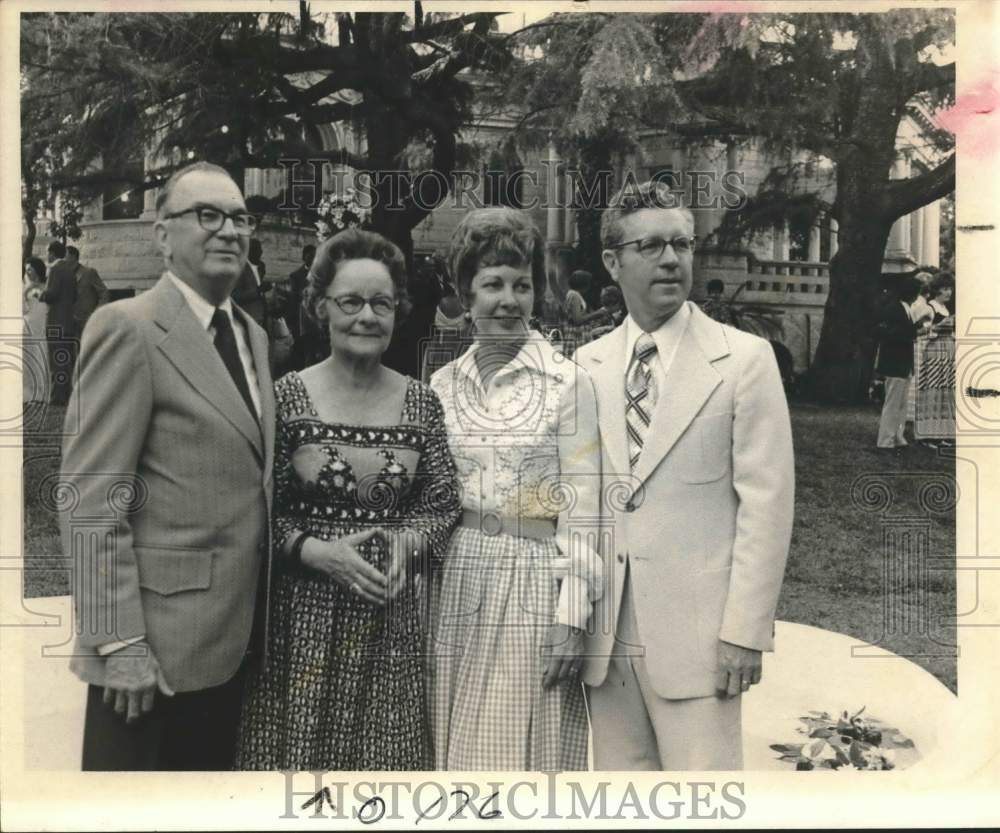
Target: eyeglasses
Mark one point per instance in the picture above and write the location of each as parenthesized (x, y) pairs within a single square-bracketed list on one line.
[(213, 219), (651, 248), (382, 305)]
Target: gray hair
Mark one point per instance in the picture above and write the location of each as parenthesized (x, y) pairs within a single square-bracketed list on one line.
[(177, 176), (632, 198)]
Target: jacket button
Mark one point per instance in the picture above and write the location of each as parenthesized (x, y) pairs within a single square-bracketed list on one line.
[(630, 507), (621, 558)]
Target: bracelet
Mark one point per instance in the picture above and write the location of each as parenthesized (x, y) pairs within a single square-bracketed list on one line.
[(295, 555)]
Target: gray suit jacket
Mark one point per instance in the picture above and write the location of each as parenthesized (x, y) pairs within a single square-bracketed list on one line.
[(705, 520), (167, 490)]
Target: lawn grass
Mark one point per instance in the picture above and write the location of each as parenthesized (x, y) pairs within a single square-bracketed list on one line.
[(835, 575), (835, 569)]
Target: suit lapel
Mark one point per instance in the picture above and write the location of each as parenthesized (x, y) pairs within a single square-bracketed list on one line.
[(259, 348), (188, 347), (689, 382), (607, 370)]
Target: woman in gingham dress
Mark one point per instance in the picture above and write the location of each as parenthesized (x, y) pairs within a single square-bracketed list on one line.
[(521, 574)]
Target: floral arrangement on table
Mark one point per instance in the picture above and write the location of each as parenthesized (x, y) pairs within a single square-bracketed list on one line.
[(338, 212), (848, 742)]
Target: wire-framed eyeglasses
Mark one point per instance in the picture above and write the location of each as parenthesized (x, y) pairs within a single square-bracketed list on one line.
[(382, 305), (213, 219), (651, 248)]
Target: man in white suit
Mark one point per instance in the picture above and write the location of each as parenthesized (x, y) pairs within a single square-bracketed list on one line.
[(695, 432), (168, 485)]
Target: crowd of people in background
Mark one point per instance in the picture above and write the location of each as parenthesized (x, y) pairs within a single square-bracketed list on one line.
[(58, 300), (916, 359)]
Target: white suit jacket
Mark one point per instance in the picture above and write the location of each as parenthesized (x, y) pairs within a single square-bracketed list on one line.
[(705, 520)]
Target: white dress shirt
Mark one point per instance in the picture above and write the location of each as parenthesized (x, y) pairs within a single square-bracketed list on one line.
[(204, 311), (667, 338)]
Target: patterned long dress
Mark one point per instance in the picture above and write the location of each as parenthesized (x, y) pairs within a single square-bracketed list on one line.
[(526, 446), (343, 688)]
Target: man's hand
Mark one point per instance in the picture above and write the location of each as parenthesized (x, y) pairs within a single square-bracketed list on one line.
[(563, 647), (738, 668), (132, 676)]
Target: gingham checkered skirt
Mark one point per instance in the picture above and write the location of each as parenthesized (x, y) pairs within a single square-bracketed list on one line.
[(493, 602)]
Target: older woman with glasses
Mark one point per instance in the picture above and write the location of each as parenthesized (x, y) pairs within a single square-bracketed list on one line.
[(364, 495), (521, 574)]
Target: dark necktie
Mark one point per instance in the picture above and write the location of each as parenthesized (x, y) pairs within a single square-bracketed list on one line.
[(225, 343)]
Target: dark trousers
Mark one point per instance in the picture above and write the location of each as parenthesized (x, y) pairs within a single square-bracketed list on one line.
[(62, 358), (195, 730)]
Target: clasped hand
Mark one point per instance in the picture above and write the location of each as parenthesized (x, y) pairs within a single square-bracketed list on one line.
[(341, 560)]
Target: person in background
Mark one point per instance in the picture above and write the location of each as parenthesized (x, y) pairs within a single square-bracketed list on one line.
[(610, 314), (897, 331), (293, 310), (60, 327), (575, 331), (451, 333), (714, 305), (250, 290), (934, 379), (416, 321), (35, 360), (91, 292)]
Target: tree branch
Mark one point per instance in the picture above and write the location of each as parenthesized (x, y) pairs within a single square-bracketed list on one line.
[(448, 28), (903, 196), (928, 76)]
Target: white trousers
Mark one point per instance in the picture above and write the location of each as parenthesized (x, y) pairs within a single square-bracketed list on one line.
[(892, 423), (633, 728)]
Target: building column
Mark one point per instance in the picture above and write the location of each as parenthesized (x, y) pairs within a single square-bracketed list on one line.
[(834, 237), (899, 237), (781, 246), (917, 235), (930, 235), (678, 164), (569, 215), (553, 218), (814, 246)]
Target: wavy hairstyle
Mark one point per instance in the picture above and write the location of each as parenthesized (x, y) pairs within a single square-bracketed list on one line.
[(496, 237), (353, 244)]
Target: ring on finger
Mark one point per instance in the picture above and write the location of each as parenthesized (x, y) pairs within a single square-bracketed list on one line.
[(355, 588), (745, 684)]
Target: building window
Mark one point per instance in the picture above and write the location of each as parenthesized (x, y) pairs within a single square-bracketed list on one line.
[(798, 239), (123, 199)]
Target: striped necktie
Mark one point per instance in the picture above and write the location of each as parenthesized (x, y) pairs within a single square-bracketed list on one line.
[(640, 395)]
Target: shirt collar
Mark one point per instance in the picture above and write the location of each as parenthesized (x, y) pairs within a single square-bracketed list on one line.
[(667, 336), (201, 308), (536, 355)]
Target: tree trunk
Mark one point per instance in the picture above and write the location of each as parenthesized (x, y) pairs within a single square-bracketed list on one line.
[(29, 239), (595, 158), (842, 368)]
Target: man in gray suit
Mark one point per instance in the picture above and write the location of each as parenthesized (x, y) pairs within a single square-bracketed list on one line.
[(176, 412)]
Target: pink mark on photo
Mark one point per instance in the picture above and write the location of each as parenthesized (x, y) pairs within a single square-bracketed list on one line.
[(974, 117)]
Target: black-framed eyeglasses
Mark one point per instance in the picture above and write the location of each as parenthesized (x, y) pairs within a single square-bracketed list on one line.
[(651, 248), (382, 305), (213, 219)]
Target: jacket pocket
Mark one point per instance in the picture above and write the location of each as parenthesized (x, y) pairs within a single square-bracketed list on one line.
[(169, 570), (709, 449)]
